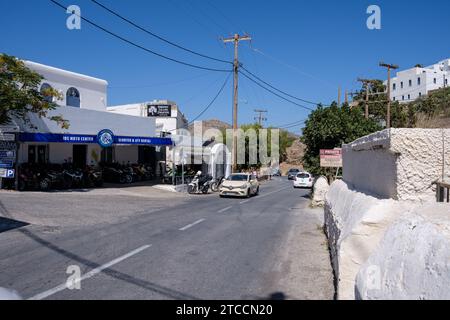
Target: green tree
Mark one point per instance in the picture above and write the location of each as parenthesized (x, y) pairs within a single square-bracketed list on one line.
[(329, 128), (285, 142), (20, 95)]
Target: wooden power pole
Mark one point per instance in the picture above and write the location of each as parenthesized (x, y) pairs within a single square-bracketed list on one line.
[(388, 113), (366, 84), (235, 39), (260, 117)]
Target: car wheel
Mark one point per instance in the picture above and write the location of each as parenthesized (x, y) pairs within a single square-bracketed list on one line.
[(249, 193), (257, 191)]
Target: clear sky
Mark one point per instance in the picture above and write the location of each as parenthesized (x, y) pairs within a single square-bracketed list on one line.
[(306, 48)]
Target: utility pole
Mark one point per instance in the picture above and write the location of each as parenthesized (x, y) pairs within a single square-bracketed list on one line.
[(346, 97), (388, 113), (366, 83), (260, 117), (235, 39), (339, 96)]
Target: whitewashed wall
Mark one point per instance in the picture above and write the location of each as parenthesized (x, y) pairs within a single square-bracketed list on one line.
[(401, 164)]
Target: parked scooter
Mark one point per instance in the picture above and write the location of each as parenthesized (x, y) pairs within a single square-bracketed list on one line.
[(28, 180), (116, 175), (51, 180), (92, 177), (73, 178), (200, 184), (215, 185)]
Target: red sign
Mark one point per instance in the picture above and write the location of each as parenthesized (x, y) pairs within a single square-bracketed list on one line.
[(331, 158)]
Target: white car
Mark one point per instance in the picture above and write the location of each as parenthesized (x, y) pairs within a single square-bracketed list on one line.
[(239, 185), (304, 180)]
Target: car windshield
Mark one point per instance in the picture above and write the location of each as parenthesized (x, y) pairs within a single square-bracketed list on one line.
[(238, 177), (303, 175)]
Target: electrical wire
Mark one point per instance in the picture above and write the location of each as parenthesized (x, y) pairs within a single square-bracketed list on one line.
[(115, 13), (139, 46), (207, 107), (273, 87), (274, 93)]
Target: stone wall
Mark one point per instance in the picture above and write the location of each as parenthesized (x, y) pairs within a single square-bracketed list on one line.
[(399, 164)]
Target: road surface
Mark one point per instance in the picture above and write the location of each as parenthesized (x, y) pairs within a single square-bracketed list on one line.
[(180, 247)]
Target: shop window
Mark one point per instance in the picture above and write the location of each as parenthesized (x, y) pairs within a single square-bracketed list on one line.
[(31, 154), (73, 98), (107, 155), (44, 88), (38, 154)]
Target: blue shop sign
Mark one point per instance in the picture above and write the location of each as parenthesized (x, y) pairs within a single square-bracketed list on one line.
[(105, 138), (6, 164)]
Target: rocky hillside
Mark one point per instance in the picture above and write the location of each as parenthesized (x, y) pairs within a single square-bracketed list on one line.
[(209, 124), (294, 157)]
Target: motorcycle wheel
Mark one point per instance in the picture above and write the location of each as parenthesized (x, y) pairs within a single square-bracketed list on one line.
[(190, 189), (215, 187), (44, 185), (205, 190), (128, 179)]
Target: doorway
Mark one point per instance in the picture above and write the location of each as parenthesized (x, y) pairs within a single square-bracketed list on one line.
[(79, 156)]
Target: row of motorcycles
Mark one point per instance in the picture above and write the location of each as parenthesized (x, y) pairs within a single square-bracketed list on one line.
[(48, 177), (202, 183), (52, 176)]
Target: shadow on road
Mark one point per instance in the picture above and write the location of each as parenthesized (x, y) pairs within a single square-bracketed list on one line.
[(167, 292), (10, 224)]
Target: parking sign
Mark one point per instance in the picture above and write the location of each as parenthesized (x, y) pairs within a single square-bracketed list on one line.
[(7, 173)]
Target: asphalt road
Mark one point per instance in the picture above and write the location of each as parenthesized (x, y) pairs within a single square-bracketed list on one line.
[(197, 247)]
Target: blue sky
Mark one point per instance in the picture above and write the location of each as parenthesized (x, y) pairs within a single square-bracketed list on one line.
[(307, 48)]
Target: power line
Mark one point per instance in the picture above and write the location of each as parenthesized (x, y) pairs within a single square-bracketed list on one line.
[(281, 91), (139, 46), (276, 94), (157, 36), (287, 125), (208, 106)]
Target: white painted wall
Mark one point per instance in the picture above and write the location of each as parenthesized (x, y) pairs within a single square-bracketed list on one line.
[(401, 164), (387, 249), (166, 124), (93, 91)]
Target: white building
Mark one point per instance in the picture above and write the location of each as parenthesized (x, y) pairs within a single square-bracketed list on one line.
[(167, 114), (417, 82), (94, 135), (212, 158)]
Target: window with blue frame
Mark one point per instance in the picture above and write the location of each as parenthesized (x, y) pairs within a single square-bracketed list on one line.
[(73, 98)]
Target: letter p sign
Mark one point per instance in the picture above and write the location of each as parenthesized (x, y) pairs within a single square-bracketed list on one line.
[(374, 20), (74, 20)]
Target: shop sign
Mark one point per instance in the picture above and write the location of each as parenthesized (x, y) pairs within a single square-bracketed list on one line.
[(7, 154), (105, 138), (6, 164), (159, 111), (7, 173), (331, 158), (7, 137)]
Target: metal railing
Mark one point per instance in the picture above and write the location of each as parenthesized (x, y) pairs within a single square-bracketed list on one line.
[(443, 191)]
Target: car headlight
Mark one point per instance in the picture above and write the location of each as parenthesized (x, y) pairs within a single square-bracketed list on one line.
[(243, 186)]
